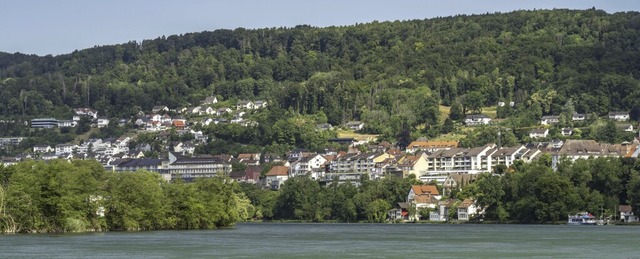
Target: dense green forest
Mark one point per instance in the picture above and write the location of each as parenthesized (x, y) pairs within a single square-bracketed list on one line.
[(63, 196), (391, 75)]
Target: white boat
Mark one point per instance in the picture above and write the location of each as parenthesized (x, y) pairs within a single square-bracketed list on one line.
[(583, 218)]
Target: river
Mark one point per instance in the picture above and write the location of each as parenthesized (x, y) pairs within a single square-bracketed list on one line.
[(298, 240)]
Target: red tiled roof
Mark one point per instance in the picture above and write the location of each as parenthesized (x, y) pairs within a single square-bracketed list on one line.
[(425, 189), (278, 171)]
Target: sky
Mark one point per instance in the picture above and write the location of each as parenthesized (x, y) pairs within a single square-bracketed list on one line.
[(56, 27)]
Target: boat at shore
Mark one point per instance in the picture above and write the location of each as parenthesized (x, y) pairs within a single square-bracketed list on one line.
[(584, 218)]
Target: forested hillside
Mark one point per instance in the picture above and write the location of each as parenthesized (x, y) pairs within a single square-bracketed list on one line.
[(387, 74)]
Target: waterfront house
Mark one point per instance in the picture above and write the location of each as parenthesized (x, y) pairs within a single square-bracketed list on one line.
[(467, 210), (626, 214), (276, 177)]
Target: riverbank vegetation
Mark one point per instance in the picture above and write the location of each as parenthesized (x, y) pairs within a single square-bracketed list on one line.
[(79, 196)]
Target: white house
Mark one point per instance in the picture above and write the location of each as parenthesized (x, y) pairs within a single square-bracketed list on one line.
[(538, 133), (626, 214), (245, 104), (210, 100), (619, 116), (626, 127), (259, 104), (355, 125), (64, 149), (222, 111), (159, 108), (66, 123), (103, 122), (85, 112), (276, 177), (578, 117), (467, 210), (477, 119), (42, 149), (566, 132), (312, 164), (548, 120)]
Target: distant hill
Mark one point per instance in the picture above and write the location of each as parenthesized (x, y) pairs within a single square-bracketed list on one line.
[(389, 70)]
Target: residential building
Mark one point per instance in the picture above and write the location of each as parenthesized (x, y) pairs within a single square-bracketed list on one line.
[(93, 114), (42, 149), (477, 119), (619, 116), (311, 164), (430, 146), (467, 210), (538, 133), (457, 182), (44, 123), (103, 122), (147, 164), (210, 100), (276, 177), (190, 168), (324, 126), (626, 214), (548, 120), (460, 160), (416, 165), (245, 104), (578, 117), (159, 109), (259, 104), (67, 123), (574, 149), (625, 127), (64, 149), (355, 125), (566, 132), (423, 196)]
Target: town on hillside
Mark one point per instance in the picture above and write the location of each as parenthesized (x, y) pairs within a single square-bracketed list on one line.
[(442, 164)]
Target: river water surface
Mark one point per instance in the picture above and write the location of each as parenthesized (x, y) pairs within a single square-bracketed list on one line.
[(297, 240)]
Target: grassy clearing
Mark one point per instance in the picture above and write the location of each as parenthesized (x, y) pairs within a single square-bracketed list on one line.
[(85, 136), (356, 136), (490, 111)]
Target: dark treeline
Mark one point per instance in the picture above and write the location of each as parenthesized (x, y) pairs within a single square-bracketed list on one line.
[(62, 196), (391, 75), (301, 198), (524, 193)]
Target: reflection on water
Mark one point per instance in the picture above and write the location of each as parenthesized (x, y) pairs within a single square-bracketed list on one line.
[(273, 240)]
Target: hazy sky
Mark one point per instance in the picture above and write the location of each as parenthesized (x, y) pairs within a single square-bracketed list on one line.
[(62, 26)]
